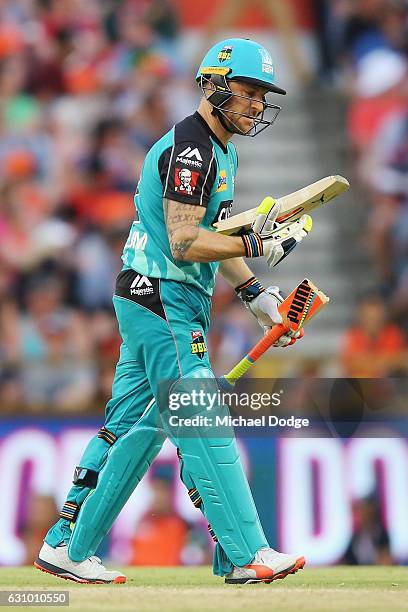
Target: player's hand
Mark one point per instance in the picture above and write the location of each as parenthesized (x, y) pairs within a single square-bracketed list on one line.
[(265, 308), (265, 220), (273, 240), (283, 240), (264, 305)]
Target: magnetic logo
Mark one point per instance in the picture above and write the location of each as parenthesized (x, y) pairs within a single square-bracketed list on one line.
[(225, 54), (198, 346), (185, 181), (141, 286), (190, 157), (222, 181)]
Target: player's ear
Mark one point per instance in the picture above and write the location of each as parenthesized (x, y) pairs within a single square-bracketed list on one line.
[(209, 86)]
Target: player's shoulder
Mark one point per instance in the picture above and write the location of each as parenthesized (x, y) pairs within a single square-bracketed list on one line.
[(192, 129)]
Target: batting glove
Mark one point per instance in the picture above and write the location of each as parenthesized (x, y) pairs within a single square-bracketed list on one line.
[(272, 240), (264, 304)]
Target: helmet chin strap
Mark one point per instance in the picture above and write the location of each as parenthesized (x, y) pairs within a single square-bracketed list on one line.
[(223, 121)]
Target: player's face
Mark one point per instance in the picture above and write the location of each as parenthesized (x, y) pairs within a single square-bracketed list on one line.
[(243, 105)]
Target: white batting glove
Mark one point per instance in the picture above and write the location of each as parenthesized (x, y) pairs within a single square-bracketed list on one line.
[(273, 240), (264, 305)]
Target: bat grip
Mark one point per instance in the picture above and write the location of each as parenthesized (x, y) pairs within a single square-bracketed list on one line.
[(266, 342)]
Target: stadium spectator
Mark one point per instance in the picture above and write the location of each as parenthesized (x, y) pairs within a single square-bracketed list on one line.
[(38, 513), (163, 538), (373, 347), (370, 543)]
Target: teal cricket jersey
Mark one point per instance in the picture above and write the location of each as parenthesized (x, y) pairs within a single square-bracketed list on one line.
[(190, 165)]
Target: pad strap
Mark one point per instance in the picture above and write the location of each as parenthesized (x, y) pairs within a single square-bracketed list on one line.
[(70, 511), (107, 435), (212, 534), (195, 497)]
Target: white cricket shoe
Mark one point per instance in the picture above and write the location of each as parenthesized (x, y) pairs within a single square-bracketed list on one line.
[(56, 561), (267, 565)]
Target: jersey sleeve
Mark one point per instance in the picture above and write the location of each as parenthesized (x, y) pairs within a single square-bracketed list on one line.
[(188, 171)]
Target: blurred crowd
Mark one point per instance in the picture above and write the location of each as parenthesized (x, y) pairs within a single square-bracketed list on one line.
[(82, 97), (84, 90), (364, 52)]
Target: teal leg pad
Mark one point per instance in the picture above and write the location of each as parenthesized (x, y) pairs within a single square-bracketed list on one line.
[(216, 469), (93, 458), (222, 565), (211, 463), (128, 460)]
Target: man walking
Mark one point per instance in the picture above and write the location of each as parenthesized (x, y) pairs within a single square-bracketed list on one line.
[(162, 302)]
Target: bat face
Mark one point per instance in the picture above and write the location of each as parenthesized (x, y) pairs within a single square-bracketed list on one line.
[(292, 206), (302, 304)]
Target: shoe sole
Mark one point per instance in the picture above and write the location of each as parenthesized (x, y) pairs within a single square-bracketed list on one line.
[(300, 564), (48, 568)]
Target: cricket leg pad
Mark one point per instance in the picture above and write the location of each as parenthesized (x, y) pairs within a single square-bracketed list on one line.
[(85, 478), (128, 460), (212, 463)]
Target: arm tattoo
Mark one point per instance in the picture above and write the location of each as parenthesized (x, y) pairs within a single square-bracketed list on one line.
[(182, 222)]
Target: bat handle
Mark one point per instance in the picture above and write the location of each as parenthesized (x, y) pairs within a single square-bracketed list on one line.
[(266, 342), (259, 349)]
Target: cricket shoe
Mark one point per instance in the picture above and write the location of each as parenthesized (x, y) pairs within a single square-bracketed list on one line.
[(267, 565), (91, 571)]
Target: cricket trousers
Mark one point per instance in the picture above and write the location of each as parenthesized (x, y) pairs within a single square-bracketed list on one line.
[(163, 325)]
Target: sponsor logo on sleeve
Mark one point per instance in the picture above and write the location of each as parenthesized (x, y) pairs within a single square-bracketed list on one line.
[(222, 181), (198, 345), (185, 181), (190, 157)]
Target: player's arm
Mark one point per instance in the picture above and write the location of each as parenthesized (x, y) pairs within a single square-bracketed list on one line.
[(235, 271), (189, 242)]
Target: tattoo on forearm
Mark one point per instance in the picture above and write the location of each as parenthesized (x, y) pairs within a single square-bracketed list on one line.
[(182, 222)]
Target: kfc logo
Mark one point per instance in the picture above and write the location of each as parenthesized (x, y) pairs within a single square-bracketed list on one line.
[(185, 181)]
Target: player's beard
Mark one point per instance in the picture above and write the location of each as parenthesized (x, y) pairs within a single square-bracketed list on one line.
[(228, 123)]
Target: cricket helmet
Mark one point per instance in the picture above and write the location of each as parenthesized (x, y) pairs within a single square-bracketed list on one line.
[(238, 59), (241, 59)]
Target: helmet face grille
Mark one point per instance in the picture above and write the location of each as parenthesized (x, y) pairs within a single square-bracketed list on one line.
[(217, 92)]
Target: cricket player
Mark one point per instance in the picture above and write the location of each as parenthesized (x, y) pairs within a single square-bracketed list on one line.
[(162, 302)]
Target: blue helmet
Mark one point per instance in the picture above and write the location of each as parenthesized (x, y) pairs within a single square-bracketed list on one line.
[(241, 59)]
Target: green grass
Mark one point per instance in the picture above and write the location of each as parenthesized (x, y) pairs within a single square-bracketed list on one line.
[(340, 589)]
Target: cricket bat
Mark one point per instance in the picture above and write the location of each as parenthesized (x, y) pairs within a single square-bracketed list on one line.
[(305, 301), (292, 206)]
